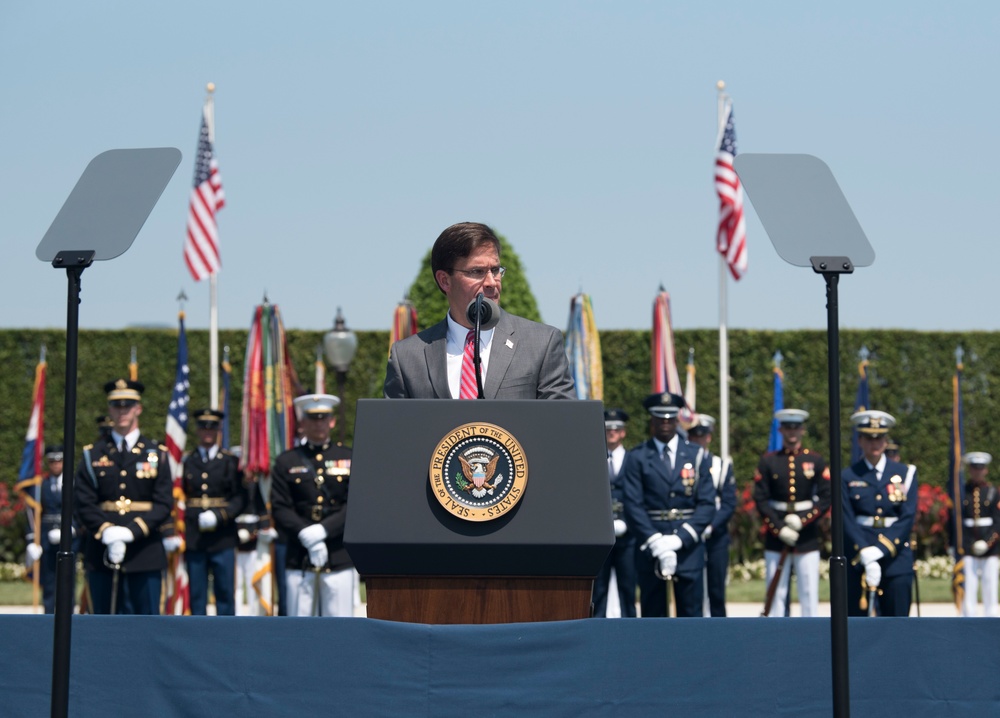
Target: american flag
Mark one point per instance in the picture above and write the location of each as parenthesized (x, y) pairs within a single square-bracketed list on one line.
[(731, 239), (201, 249), (178, 600)]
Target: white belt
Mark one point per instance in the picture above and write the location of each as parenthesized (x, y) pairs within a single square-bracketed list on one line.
[(971, 523), (877, 521), (792, 505)]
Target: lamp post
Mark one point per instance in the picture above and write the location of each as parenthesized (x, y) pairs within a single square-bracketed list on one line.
[(340, 345)]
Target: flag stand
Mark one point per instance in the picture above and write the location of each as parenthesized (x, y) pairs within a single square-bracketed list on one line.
[(810, 224), (104, 212)]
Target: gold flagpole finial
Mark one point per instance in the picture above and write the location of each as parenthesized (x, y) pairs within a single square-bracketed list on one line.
[(720, 85), (210, 87)]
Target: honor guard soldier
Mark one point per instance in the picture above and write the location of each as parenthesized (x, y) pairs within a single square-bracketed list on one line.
[(309, 503), (43, 501), (669, 502), (124, 492), (791, 490), (716, 534), (214, 496), (621, 560), (104, 426), (980, 537), (880, 503)]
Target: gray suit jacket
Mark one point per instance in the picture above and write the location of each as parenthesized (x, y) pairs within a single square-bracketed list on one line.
[(527, 361)]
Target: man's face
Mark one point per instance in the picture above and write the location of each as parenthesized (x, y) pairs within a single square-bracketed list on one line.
[(873, 447), (702, 439), (614, 437), (317, 427), (55, 467), (461, 289), (977, 474), (663, 429), (124, 415), (207, 435), (792, 434)]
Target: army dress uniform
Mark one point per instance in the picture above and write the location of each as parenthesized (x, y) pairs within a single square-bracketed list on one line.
[(980, 534), (664, 498), (132, 489), (309, 486), (790, 485), (880, 504), (212, 482)]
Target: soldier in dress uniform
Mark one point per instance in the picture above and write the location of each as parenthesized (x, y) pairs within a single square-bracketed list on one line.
[(621, 560), (716, 534), (124, 493), (791, 490), (669, 502), (214, 496), (104, 426), (880, 503), (980, 536), (309, 503), (43, 501)]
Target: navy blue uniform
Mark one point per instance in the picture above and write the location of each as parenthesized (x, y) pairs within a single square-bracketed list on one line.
[(45, 496), (717, 544), (621, 558), (681, 503), (134, 490), (214, 485), (880, 512)]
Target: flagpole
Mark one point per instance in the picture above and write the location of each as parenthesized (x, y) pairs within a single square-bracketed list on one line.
[(723, 316), (213, 283)]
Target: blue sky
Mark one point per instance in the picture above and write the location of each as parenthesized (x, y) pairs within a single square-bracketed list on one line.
[(350, 134)]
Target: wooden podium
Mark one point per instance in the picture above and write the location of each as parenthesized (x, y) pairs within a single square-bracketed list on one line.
[(423, 563)]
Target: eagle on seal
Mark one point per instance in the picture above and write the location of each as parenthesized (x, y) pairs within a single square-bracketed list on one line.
[(479, 474)]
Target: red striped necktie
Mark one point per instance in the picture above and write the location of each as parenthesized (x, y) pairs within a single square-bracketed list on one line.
[(469, 389)]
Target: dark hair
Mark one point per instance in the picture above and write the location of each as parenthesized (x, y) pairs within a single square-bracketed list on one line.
[(459, 241)]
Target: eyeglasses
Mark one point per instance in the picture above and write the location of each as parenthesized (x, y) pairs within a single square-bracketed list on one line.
[(479, 274)]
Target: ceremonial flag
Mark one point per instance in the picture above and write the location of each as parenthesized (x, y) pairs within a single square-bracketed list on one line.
[(687, 414), (731, 238), (30, 475), (664, 362), (861, 403), (178, 601), (775, 441), (227, 378), (404, 322), (583, 349), (201, 249), (956, 481)]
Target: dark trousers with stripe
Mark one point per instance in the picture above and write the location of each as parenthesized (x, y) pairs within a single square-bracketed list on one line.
[(222, 567), (892, 598), (138, 593)]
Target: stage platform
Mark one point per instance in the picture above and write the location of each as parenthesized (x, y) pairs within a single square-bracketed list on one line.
[(186, 666)]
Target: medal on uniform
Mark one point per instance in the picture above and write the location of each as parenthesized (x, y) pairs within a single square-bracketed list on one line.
[(153, 459), (896, 489), (808, 469)]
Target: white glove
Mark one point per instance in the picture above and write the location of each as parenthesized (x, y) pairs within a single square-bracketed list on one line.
[(311, 535), (794, 522), (116, 533), (318, 554), (873, 574), (171, 543), (668, 564), (980, 547), (659, 544), (707, 533), (34, 552), (870, 555), (951, 554), (243, 535), (207, 521), (54, 536), (789, 535), (116, 552), (620, 528), (266, 536)]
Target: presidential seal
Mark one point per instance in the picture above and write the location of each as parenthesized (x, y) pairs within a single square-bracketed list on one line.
[(478, 472)]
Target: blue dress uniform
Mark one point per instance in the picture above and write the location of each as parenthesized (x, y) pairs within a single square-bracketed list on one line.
[(622, 556), (662, 501), (212, 481), (880, 504), (44, 494), (717, 543)]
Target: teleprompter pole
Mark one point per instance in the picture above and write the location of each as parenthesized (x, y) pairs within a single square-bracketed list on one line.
[(831, 268), (74, 262)]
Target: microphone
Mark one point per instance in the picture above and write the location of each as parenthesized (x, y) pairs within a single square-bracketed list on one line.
[(487, 311)]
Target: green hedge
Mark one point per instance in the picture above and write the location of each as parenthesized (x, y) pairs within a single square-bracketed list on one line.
[(910, 377)]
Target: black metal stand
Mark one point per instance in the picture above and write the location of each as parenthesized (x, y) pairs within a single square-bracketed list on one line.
[(831, 268), (74, 262)]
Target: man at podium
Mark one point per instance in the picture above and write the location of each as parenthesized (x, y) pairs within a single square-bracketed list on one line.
[(520, 359)]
